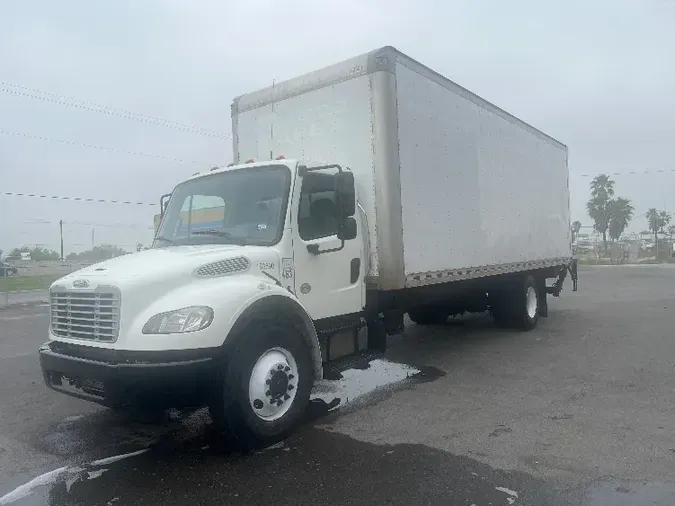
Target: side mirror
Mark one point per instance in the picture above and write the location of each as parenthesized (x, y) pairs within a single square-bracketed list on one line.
[(347, 231), (163, 201), (346, 194)]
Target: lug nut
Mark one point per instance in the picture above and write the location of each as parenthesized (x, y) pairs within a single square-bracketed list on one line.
[(286, 397), (267, 381), (257, 404), (279, 403), (290, 387), (268, 393), (280, 367), (290, 376), (287, 368)]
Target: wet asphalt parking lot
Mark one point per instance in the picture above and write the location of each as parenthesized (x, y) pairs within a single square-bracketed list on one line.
[(580, 411)]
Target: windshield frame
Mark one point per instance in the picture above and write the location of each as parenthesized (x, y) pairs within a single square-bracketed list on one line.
[(160, 242)]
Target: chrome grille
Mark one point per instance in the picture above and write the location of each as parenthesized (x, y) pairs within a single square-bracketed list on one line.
[(85, 315)]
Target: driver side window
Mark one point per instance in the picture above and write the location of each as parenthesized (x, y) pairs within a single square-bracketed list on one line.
[(318, 212)]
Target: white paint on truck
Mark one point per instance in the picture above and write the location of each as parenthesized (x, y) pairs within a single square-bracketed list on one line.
[(449, 182)]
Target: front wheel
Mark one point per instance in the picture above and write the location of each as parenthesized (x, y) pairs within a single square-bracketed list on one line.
[(265, 391)]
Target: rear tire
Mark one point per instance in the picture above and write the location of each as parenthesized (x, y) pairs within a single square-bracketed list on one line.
[(265, 390), (428, 315), (517, 304), (529, 304)]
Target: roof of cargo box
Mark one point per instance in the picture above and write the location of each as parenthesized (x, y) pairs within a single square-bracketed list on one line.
[(383, 59)]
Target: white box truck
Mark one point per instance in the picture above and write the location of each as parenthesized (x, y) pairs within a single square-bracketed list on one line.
[(359, 193)]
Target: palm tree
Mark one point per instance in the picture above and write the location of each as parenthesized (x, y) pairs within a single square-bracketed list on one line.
[(620, 213), (598, 206), (658, 221)]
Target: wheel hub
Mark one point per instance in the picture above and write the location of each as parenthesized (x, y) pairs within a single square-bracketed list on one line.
[(272, 385), (278, 384)]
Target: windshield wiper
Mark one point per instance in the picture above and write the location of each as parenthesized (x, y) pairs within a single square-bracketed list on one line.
[(220, 233)]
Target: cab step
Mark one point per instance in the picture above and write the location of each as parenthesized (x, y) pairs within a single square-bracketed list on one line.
[(333, 370)]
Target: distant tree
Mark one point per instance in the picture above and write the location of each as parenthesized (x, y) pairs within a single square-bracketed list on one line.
[(620, 213), (658, 221), (97, 254), (576, 227), (0, 253), (598, 206), (37, 253)]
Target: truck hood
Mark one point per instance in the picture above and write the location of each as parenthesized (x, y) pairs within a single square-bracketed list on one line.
[(165, 264)]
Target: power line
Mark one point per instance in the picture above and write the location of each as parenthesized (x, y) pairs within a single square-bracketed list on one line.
[(628, 172), (78, 199), (24, 91), (90, 224), (93, 146)]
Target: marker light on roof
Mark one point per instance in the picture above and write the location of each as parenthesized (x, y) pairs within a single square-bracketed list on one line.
[(281, 157), (250, 160)]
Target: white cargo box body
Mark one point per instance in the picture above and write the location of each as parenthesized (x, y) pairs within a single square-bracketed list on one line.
[(452, 186)]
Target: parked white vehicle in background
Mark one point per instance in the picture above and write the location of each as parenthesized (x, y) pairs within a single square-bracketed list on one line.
[(272, 273)]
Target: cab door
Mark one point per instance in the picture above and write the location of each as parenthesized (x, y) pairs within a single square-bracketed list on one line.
[(329, 271)]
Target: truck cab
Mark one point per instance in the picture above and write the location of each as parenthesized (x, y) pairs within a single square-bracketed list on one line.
[(253, 268)]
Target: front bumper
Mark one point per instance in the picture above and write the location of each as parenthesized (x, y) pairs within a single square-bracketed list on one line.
[(125, 378)]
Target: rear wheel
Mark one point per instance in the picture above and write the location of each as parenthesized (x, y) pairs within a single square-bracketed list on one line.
[(529, 296), (517, 304), (265, 391), (428, 315)]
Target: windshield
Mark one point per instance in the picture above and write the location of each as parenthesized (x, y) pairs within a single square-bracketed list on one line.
[(243, 206)]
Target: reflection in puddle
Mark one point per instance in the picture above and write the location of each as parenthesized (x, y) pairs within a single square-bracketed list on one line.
[(28, 488), (69, 475)]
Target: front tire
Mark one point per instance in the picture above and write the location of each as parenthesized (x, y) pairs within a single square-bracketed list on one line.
[(265, 391)]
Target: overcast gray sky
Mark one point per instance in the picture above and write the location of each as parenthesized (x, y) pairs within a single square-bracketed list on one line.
[(596, 74)]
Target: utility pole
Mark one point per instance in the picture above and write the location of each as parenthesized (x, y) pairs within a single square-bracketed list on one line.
[(61, 233)]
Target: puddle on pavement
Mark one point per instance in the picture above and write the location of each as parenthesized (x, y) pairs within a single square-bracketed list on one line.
[(105, 438), (311, 467)]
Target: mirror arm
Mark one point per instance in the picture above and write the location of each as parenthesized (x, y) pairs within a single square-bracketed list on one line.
[(314, 248)]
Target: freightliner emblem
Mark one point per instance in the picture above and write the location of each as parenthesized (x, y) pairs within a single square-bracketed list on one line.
[(80, 283)]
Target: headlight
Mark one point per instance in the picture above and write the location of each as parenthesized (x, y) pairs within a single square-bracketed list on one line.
[(180, 321)]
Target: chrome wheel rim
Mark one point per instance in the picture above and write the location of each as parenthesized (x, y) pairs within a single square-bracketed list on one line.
[(273, 384)]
